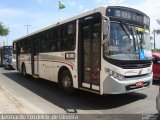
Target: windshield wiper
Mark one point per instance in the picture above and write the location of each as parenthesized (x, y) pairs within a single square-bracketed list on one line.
[(134, 39), (123, 23), (140, 38), (130, 33)]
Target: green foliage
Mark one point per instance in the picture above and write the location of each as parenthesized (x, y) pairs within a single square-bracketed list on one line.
[(157, 31), (157, 50), (3, 31)]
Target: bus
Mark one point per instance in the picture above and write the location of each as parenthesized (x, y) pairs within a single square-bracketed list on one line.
[(5, 53), (105, 51)]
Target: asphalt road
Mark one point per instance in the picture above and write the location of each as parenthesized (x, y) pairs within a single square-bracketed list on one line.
[(27, 95)]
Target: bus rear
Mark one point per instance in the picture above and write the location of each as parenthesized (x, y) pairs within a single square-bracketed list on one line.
[(5, 53)]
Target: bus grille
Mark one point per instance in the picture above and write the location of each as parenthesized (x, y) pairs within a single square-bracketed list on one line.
[(137, 76), (135, 66)]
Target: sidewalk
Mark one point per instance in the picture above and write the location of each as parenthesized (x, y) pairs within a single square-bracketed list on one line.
[(9, 104)]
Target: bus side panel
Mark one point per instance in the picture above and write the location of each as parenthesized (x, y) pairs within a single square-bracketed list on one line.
[(47, 68), (24, 59), (51, 63)]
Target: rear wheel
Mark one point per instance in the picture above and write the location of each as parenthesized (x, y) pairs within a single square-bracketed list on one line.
[(67, 81)]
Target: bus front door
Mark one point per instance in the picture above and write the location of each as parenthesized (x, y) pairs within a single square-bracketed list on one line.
[(89, 54)]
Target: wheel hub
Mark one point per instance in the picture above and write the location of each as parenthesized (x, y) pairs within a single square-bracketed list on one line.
[(66, 81)]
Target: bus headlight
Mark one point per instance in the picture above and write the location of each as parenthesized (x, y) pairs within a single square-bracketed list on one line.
[(120, 77), (116, 75)]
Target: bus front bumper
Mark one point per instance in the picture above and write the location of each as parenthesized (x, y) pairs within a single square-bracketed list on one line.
[(112, 85)]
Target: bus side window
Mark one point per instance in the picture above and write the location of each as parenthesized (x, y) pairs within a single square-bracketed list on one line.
[(72, 43), (53, 46), (44, 44), (68, 37), (73, 37)]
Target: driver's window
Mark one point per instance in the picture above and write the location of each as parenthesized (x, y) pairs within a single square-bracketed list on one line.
[(117, 35), (114, 35)]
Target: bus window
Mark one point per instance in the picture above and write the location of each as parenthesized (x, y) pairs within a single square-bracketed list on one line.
[(71, 43), (70, 29), (14, 48), (68, 34), (25, 47), (53, 46), (45, 42)]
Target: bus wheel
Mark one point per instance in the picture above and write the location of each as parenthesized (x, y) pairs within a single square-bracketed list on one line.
[(24, 71), (67, 82)]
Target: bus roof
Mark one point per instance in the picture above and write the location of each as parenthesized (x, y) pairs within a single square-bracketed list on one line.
[(98, 9)]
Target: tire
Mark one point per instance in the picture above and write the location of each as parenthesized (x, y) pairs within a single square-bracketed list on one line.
[(24, 74), (67, 82)]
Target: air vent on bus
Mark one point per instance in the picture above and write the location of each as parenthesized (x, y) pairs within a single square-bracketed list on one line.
[(135, 66), (137, 76)]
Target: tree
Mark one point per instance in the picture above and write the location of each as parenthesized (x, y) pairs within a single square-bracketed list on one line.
[(3, 30)]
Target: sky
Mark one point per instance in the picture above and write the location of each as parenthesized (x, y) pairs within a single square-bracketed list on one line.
[(16, 14)]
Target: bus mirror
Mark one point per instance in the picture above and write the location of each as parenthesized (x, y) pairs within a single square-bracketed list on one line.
[(105, 27)]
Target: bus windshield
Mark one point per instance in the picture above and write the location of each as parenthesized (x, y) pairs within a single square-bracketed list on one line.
[(127, 44)]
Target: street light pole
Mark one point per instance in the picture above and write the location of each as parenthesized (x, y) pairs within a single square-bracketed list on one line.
[(154, 32), (27, 26)]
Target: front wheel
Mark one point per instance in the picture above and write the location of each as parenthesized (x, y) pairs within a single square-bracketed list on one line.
[(67, 81)]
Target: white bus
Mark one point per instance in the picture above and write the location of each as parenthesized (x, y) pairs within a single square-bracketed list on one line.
[(105, 50)]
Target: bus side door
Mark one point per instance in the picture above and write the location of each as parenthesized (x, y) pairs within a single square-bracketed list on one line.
[(35, 57), (18, 51)]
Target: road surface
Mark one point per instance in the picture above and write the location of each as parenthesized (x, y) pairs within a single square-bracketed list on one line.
[(27, 95)]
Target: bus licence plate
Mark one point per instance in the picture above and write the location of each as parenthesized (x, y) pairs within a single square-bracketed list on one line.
[(139, 84)]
